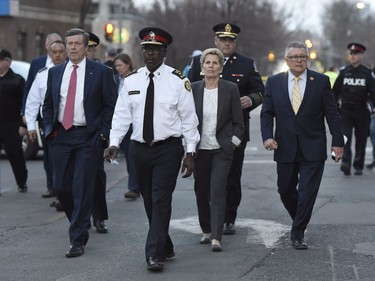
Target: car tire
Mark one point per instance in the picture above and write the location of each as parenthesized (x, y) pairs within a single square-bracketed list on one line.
[(30, 148)]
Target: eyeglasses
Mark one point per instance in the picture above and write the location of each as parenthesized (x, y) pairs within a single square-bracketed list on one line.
[(297, 58)]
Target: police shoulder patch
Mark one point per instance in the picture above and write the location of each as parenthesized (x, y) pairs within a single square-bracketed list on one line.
[(187, 85), (178, 73), (42, 69)]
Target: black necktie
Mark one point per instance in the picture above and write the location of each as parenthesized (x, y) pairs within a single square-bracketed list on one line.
[(148, 119)]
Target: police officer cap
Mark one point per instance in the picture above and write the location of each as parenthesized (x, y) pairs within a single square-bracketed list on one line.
[(356, 48), (155, 36), (4, 54), (93, 40), (226, 30)]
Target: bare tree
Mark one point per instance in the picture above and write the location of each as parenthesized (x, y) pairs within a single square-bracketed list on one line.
[(344, 23), (191, 21)]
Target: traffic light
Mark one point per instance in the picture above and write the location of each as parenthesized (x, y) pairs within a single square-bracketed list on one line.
[(108, 32), (271, 56)]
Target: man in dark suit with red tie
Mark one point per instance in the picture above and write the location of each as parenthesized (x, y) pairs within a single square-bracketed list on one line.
[(77, 113), (299, 101)]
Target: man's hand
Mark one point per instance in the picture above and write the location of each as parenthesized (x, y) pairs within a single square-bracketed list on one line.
[(187, 166), (22, 131), (110, 153), (270, 144), (32, 135), (337, 153), (246, 102)]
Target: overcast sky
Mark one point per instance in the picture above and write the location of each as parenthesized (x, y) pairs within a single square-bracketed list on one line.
[(306, 14)]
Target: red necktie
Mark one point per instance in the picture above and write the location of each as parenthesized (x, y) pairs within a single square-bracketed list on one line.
[(148, 119), (67, 121)]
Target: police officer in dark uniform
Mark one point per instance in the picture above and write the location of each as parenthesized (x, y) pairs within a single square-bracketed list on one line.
[(353, 89), (99, 207), (242, 71)]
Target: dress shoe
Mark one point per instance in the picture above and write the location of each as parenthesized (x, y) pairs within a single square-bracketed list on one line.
[(74, 251), (215, 245), (299, 244), (205, 238), (229, 229), (22, 188), (131, 194), (345, 168), (58, 206), (49, 194), (100, 226), (358, 172), (154, 264), (168, 256), (372, 165)]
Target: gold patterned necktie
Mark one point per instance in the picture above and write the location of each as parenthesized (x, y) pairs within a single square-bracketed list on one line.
[(296, 95)]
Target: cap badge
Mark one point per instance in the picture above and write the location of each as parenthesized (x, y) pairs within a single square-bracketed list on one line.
[(152, 36), (228, 28)]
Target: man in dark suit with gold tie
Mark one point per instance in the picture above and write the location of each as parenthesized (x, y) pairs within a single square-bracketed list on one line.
[(299, 101), (77, 113)]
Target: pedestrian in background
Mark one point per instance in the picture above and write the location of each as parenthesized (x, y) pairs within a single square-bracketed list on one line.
[(186, 69), (332, 74), (157, 100), (218, 108), (34, 102), (11, 92), (110, 55), (77, 114), (124, 66), (39, 63), (242, 71), (298, 102), (353, 88)]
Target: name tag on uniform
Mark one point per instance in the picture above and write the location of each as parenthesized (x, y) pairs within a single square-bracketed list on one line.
[(134, 92), (237, 75)]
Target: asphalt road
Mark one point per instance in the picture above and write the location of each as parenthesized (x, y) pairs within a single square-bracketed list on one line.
[(341, 235)]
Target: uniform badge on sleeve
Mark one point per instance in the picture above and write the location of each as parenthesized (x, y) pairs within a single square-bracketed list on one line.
[(187, 86)]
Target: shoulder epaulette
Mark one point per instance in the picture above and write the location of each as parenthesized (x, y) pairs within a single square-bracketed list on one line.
[(178, 73), (134, 71), (42, 69)]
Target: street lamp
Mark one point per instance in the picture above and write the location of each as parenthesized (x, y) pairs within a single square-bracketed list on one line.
[(361, 5)]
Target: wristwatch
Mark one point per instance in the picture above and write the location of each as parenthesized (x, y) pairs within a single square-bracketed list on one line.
[(192, 154)]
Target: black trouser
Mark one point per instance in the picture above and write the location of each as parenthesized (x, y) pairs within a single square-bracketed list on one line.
[(234, 193), (299, 202), (157, 170), (359, 120), (9, 136)]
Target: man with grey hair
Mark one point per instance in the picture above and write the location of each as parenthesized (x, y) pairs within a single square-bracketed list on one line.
[(77, 113), (299, 101)]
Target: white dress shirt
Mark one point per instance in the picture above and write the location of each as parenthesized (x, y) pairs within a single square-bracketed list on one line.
[(79, 118), (35, 98), (174, 108), (209, 120)]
